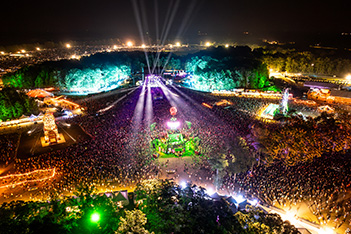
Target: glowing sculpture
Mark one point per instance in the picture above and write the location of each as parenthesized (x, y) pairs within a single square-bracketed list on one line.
[(173, 111), (51, 135), (283, 107)]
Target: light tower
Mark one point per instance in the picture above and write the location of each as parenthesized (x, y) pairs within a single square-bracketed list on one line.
[(283, 107)]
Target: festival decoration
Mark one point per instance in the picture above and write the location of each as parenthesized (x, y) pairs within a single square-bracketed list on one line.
[(173, 111), (51, 135)]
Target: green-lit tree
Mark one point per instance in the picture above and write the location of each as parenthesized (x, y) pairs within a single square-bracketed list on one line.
[(14, 104), (133, 222)]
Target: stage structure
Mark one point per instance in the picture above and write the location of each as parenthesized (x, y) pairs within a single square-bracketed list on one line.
[(51, 135), (275, 111), (175, 139), (283, 107)]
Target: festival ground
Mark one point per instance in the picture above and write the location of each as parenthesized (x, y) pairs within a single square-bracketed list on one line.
[(123, 123)]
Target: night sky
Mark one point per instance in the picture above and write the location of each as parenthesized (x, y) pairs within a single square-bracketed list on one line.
[(32, 21)]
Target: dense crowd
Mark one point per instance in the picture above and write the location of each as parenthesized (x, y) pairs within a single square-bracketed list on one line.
[(102, 161), (118, 154), (8, 145), (323, 185)]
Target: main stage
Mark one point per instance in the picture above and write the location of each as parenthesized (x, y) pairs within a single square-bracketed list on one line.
[(174, 139)]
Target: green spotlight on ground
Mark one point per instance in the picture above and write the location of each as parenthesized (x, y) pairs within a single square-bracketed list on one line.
[(95, 217)]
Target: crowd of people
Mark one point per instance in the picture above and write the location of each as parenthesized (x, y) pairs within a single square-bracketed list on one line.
[(105, 161), (118, 154), (322, 185), (8, 145)]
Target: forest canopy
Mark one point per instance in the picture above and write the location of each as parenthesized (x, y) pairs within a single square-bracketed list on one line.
[(215, 68)]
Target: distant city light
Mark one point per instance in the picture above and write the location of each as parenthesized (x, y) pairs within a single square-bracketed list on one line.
[(183, 185), (348, 77), (226, 45), (68, 45), (23, 51), (114, 47), (143, 46), (171, 46), (208, 44), (75, 57), (2, 52), (38, 49), (129, 44), (178, 44)]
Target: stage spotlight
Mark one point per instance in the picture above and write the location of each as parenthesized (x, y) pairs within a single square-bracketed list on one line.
[(210, 191), (239, 198)]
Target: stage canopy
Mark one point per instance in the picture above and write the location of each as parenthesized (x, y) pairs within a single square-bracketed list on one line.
[(326, 108), (39, 93)]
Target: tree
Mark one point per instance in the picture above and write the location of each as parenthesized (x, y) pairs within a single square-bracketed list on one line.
[(14, 104), (133, 222), (255, 220), (218, 164)]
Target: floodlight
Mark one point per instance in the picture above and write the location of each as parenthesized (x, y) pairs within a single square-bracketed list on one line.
[(210, 191), (239, 198), (95, 217), (326, 231)]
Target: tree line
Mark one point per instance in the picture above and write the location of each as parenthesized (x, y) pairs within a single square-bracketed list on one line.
[(309, 62), (215, 68), (160, 207)]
